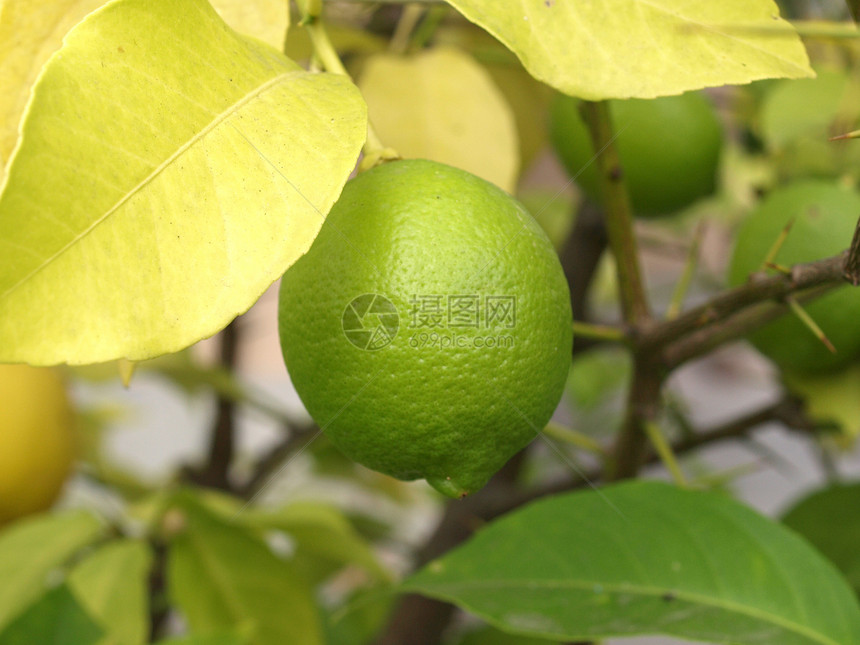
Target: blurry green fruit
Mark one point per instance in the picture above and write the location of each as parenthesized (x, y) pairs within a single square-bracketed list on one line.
[(428, 328), (797, 118), (669, 149), (824, 215), (831, 399)]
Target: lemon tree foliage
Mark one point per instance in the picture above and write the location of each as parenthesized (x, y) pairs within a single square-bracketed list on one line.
[(828, 519), (465, 120), (29, 34), (112, 584), (643, 48), (164, 163), (646, 558), (25, 570), (58, 618), (221, 575), (169, 170)]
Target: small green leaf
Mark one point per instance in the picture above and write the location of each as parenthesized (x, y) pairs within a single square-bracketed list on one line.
[(443, 106), (829, 519), (646, 558), (168, 171), (32, 548), (56, 619), (112, 584), (830, 397), (320, 532), (222, 576), (643, 48)]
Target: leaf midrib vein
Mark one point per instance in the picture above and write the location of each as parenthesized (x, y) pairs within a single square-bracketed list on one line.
[(645, 591), (216, 121)]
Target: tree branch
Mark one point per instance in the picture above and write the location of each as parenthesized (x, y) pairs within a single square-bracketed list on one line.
[(618, 212), (759, 289), (215, 473)]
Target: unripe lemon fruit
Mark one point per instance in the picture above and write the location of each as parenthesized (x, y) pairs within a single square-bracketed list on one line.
[(428, 328), (36, 439), (824, 215), (669, 149)]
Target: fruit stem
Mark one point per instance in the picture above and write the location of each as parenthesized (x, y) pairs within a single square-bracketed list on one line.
[(686, 279), (409, 19), (618, 212), (374, 150), (664, 450), (574, 438)]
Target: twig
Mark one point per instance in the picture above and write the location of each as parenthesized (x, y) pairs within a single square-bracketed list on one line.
[(683, 285), (618, 211), (701, 341), (274, 460), (828, 272), (215, 473)]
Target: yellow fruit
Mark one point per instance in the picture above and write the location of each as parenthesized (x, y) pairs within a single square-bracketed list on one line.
[(669, 149), (36, 439), (428, 328)]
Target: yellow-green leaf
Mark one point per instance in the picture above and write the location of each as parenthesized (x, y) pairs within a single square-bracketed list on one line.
[(29, 33), (441, 105), (643, 48), (267, 20), (831, 397), (221, 575), (169, 171), (112, 584)]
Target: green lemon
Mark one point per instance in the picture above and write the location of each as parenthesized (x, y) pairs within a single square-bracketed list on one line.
[(36, 439), (669, 148), (428, 328), (824, 215)]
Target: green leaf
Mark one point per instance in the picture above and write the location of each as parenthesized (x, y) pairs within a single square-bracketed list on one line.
[(643, 48), (112, 583), (490, 636), (830, 398), (443, 106), (169, 170), (320, 532), (31, 549), (222, 576), (829, 519), (56, 619), (646, 558), (221, 638)]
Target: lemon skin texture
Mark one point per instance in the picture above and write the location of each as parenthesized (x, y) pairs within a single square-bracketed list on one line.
[(669, 149), (824, 215), (462, 386), (37, 443)]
